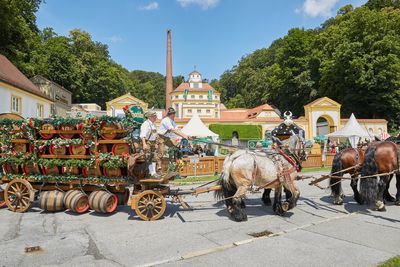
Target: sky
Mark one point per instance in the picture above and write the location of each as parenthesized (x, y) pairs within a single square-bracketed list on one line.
[(210, 36)]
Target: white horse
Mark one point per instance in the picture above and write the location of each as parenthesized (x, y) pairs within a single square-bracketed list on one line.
[(265, 169)]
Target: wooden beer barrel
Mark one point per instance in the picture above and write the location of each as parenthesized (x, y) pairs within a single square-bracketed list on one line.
[(70, 170), (102, 201), (52, 200), (50, 170), (108, 127), (79, 149), (123, 197), (112, 172), (10, 169), (30, 169), (119, 149), (91, 171), (101, 148), (46, 127), (59, 150), (66, 128), (19, 147), (76, 201)]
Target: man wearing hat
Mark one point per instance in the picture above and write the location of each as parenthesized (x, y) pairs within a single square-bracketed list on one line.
[(148, 136), (168, 130)]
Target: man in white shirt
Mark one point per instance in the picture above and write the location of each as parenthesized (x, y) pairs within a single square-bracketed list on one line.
[(148, 136), (168, 130)]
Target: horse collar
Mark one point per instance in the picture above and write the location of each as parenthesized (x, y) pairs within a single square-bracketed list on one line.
[(290, 160)]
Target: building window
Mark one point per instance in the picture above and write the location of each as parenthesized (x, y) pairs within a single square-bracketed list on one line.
[(176, 97), (215, 97), (200, 96), (196, 85), (16, 104), (208, 111), (192, 96), (189, 111), (199, 111), (39, 110)]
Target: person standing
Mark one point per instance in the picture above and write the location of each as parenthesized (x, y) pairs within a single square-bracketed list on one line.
[(148, 137)]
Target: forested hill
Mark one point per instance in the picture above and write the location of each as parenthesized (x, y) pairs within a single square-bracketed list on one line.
[(353, 58), (75, 61)]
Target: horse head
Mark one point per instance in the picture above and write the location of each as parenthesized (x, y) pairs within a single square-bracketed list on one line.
[(298, 146)]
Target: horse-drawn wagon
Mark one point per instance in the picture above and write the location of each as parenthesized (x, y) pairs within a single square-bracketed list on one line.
[(78, 164)]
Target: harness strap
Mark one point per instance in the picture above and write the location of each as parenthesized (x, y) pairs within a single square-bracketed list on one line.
[(289, 159)]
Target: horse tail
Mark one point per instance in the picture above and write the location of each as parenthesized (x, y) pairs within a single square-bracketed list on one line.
[(335, 184), (369, 186), (224, 179)]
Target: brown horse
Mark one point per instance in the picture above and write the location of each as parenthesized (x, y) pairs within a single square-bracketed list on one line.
[(381, 158), (351, 159), (346, 159)]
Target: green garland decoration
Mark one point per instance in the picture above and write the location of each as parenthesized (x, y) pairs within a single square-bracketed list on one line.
[(68, 178)]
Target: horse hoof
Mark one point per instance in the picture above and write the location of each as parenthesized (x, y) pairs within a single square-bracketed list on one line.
[(338, 201), (380, 206), (397, 203), (285, 206)]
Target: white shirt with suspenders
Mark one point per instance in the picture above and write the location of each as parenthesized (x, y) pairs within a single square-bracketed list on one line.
[(148, 130)]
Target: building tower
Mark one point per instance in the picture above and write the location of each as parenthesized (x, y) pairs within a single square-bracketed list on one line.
[(169, 85)]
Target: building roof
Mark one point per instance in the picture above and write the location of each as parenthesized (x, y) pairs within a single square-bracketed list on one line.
[(322, 99), (367, 120), (195, 72), (13, 76), (43, 78), (205, 88)]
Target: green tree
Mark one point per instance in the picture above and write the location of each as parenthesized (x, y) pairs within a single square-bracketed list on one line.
[(18, 31)]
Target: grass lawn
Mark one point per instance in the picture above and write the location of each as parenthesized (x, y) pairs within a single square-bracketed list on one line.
[(393, 262), (192, 179), (316, 169)]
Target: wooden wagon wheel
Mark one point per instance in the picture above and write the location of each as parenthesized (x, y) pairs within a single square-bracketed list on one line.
[(150, 205), (19, 195)]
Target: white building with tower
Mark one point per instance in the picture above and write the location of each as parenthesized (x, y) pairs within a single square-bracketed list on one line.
[(196, 97)]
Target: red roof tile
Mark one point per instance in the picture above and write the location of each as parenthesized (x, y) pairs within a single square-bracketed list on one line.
[(205, 88), (11, 75)]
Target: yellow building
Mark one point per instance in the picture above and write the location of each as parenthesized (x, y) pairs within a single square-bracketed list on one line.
[(114, 107)]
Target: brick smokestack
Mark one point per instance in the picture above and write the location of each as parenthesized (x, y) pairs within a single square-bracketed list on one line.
[(169, 85)]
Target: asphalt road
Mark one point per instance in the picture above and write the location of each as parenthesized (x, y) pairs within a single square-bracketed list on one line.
[(315, 233)]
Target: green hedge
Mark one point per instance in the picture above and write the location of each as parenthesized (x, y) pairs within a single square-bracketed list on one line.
[(245, 131)]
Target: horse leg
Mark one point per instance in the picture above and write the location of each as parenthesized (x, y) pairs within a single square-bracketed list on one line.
[(379, 204), (386, 195), (353, 184), (277, 206), (266, 197), (238, 213), (398, 189), (288, 194), (336, 188)]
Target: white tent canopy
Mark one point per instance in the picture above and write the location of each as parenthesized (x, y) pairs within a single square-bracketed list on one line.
[(195, 127), (352, 130)]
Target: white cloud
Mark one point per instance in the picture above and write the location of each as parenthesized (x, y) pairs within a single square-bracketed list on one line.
[(115, 39), (315, 8), (150, 6), (204, 4)]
